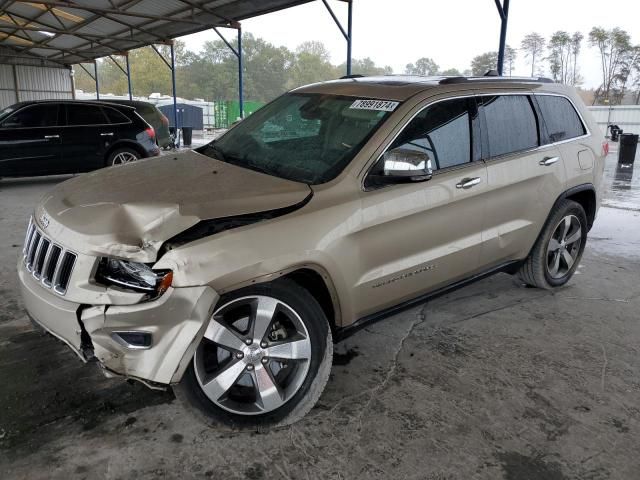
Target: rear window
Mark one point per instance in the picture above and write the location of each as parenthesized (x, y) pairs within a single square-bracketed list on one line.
[(511, 124), (560, 118), (85, 115), (115, 116)]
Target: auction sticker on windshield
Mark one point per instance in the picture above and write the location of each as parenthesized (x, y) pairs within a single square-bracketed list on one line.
[(381, 105)]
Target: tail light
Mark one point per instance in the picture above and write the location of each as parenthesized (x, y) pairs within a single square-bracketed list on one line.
[(151, 132), (605, 148)]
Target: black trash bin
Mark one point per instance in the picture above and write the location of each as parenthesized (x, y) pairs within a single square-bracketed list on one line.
[(627, 149), (187, 134)]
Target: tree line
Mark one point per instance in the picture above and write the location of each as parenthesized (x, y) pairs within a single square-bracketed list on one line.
[(212, 73), (619, 61)]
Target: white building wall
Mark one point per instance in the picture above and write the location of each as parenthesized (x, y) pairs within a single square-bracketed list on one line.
[(627, 117), (33, 83), (7, 86)]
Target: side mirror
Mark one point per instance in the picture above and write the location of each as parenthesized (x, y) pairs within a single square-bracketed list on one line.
[(403, 165)]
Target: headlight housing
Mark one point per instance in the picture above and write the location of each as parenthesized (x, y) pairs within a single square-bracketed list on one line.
[(135, 276)]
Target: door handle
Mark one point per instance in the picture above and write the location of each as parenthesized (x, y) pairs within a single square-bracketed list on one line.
[(548, 161), (468, 182), (109, 134), (47, 137)]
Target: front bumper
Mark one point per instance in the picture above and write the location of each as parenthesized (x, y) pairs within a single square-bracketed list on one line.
[(176, 322)]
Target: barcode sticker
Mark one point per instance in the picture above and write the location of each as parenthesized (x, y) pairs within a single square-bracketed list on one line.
[(381, 105)]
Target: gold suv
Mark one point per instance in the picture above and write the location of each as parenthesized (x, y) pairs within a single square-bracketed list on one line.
[(227, 272)]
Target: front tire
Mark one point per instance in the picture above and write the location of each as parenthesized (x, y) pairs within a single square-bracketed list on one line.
[(558, 250), (264, 360)]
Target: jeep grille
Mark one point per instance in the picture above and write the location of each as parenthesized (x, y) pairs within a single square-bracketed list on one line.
[(49, 263)]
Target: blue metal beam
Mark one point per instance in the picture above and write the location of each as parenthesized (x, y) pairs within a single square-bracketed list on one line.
[(95, 66), (126, 71), (503, 11), (237, 51), (175, 100), (240, 74), (129, 76), (348, 34)]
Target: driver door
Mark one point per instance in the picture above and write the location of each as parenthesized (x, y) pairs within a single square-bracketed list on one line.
[(30, 141), (418, 237)]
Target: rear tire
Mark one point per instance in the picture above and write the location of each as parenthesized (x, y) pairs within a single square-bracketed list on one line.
[(243, 378), (558, 250), (122, 155)]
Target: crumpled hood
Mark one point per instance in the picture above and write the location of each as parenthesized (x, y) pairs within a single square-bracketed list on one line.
[(129, 211)]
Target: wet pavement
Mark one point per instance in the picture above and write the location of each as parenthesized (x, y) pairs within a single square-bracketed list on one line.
[(492, 381)]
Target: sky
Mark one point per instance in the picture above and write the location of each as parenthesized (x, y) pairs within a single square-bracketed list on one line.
[(452, 32)]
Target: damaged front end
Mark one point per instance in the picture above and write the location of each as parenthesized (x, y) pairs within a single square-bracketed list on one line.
[(112, 303)]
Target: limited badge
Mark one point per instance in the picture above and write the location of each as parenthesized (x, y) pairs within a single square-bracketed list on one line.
[(44, 221), (380, 105)]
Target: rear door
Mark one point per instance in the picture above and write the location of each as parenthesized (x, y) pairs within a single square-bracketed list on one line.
[(564, 127), (30, 141), (86, 139), (525, 177), (417, 237)]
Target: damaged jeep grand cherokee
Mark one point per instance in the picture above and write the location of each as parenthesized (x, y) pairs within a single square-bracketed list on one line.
[(227, 272)]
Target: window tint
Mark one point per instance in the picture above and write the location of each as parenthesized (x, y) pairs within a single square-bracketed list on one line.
[(290, 124), (307, 138), (442, 131), (560, 118), (85, 115), (45, 115), (115, 116), (511, 124)]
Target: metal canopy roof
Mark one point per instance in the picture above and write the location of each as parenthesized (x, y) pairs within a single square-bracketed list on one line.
[(68, 32)]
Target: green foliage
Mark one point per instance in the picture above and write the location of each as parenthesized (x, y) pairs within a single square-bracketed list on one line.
[(423, 66), (481, 64), (617, 59), (560, 47), (533, 47), (212, 73), (510, 55), (451, 72)]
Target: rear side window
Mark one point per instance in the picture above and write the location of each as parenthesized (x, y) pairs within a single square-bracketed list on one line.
[(560, 118), (115, 116), (85, 115), (45, 115), (442, 131), (511, 124)]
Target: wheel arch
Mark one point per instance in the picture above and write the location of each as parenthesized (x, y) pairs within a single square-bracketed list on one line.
[(313, 278), (124, 144), (585, 195), (318, 283)]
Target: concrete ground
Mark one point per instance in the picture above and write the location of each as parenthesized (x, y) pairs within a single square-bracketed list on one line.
[(492, 381)]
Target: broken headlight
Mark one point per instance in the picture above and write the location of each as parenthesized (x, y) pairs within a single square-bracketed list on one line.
[(134, 276)]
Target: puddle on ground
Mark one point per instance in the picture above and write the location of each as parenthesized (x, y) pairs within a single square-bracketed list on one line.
[(622, 183), (617, 227)]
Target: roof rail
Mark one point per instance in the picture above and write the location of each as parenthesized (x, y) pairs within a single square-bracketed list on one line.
[(355, 75), (491, 78)]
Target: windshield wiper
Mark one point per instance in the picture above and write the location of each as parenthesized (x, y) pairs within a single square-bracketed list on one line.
[(217, 151)]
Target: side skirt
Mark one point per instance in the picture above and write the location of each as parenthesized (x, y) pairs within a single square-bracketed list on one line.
[(341, 334)]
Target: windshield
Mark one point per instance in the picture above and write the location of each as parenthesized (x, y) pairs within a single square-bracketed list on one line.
[(6, 111), (307, 138)]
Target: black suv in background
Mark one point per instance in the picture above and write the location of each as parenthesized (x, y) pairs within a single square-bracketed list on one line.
[(64, 136), (153, 116)]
